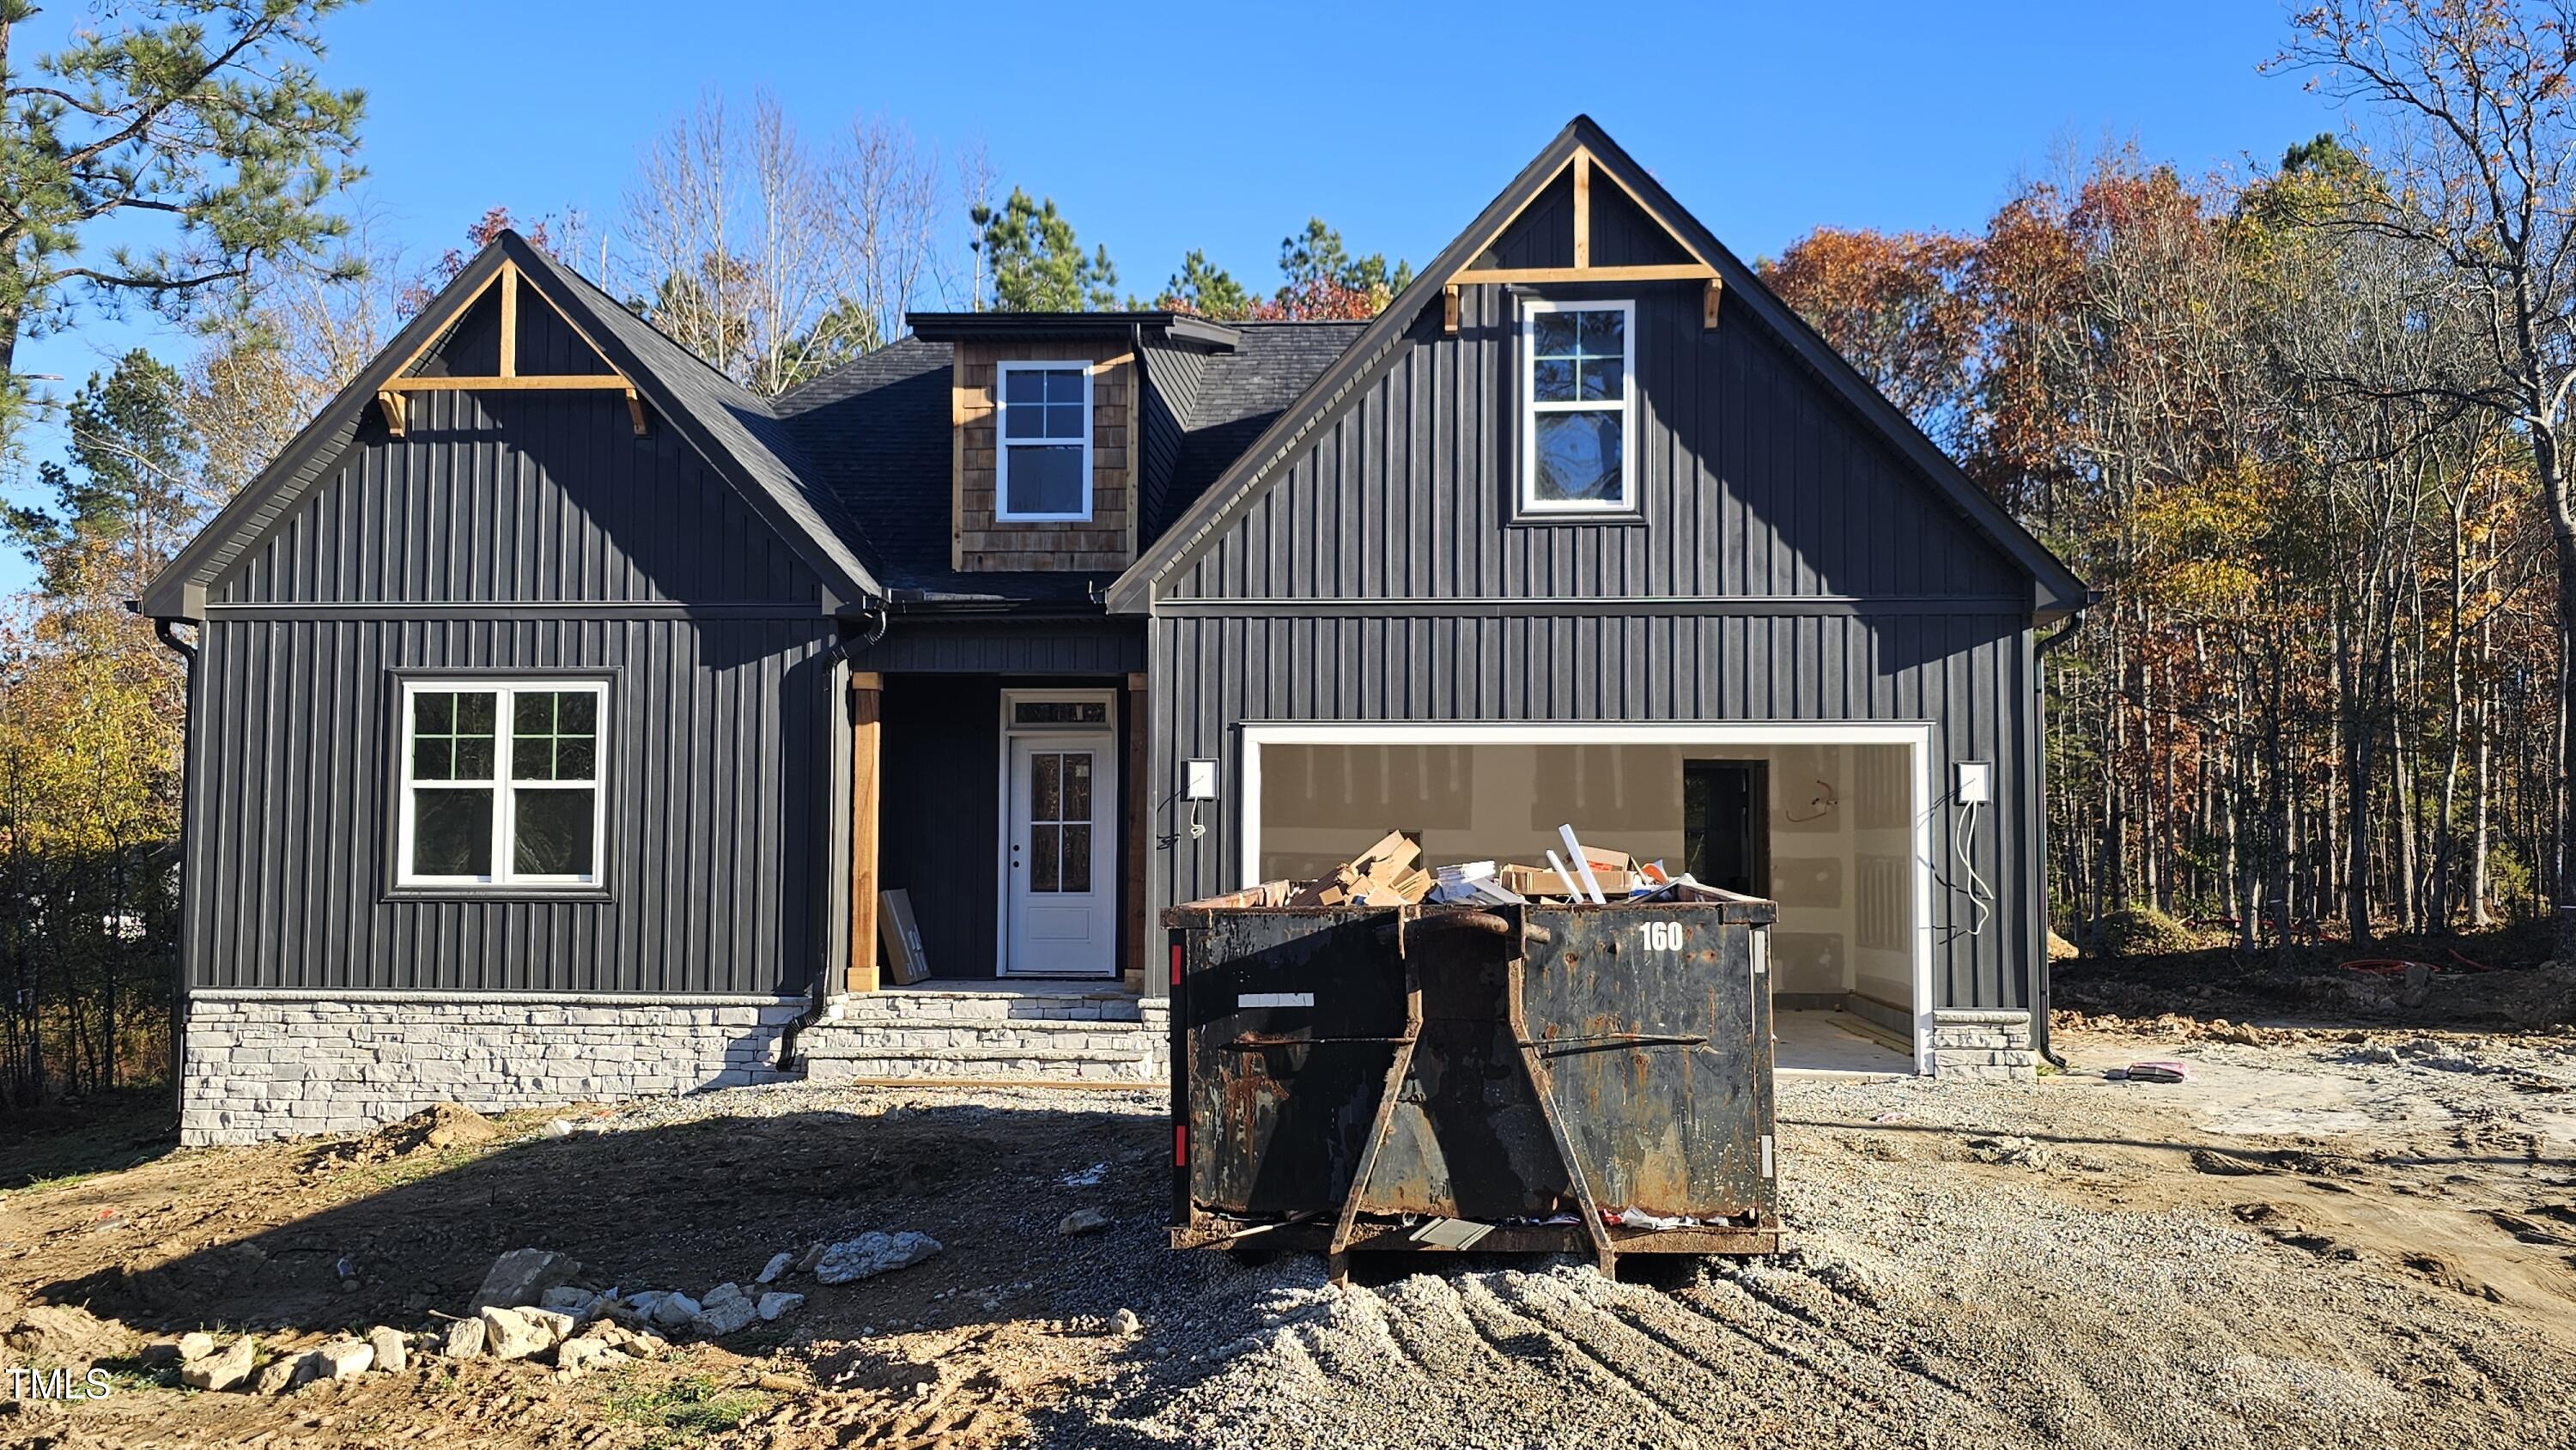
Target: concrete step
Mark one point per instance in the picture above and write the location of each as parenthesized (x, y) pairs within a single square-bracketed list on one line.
[(964, 1034), (919, 1046), (900, 1004), (1003, 1063), (925, 1021)]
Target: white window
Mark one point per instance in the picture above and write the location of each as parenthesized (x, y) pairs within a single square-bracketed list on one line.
[(1044, 461), (500, 782), (1577, 361)]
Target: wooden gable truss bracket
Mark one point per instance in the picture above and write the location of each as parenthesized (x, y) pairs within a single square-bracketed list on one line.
[(1699, 269), (394, 396)]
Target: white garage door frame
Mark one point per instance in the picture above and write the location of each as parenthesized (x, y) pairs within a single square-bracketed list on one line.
[(1914, 735)]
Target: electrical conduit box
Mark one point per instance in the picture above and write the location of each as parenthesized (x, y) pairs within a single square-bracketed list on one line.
[(1976, 784)]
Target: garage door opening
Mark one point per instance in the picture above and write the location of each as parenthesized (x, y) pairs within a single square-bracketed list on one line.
[(1828, 828)]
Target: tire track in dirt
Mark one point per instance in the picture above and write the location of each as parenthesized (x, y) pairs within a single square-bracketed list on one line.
[(1503, 1325), (1544, 1300), (1428, 1324)]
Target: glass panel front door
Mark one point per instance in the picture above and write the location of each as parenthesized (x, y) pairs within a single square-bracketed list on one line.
[(1060, 917)]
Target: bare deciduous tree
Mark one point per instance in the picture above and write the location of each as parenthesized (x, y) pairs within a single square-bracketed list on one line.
[(771, 258), (269, 372), (2474, 97)]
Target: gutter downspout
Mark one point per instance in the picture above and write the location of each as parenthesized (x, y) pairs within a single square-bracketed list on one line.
[(164, 630), (2039, 1017), (819, 990)]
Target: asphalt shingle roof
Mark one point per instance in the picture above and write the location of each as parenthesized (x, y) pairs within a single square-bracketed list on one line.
[(1241, 394), (876, 433)]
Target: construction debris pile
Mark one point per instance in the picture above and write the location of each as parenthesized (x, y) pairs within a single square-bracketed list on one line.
[(1390, 873)]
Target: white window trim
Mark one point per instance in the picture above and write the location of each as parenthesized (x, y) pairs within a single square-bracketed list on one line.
[(504, 818), (1003, 443), (1531, 407), (1914, 735)]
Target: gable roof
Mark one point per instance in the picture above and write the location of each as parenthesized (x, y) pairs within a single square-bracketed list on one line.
[(2056, 590), (734, 431)]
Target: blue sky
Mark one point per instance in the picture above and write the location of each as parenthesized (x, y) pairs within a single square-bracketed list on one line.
[(1159, 128)]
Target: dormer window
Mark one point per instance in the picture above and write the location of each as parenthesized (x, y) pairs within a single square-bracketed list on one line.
[(1576, 362), (1044, 464)]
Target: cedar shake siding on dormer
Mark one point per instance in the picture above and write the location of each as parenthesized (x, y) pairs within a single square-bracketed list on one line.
[(1107, 540)]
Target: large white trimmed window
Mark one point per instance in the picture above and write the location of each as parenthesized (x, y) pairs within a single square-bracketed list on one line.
[(500, 782), (1043, 464), (1577, 374)]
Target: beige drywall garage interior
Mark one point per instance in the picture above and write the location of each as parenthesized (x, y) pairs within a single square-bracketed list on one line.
[(1849, 841)]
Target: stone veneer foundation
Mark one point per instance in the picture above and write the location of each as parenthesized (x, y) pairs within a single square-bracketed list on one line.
[(1983, 1045), (280, 1064)]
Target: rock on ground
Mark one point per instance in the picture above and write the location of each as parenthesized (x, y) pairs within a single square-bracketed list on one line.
[(223, 1369), (521, 1277), (464, 1339), (556, 1325), (674, 1311), (195, 1345), (392, 1351), (871, 1254), (343, 1359), (285, 1374), (725, 1310), (774, 1305), (777, 1266), (1082, 1221), (576, 1356), (511, 1334), (569, 1299)]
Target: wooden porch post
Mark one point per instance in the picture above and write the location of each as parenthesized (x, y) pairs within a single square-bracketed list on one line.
[(1140, 952), (867, 705)]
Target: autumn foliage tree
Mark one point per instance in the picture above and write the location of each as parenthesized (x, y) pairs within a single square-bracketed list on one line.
[(1896, 305), (2320, 692)]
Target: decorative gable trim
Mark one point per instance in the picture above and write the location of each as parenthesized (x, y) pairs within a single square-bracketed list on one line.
[(1582, 165), (394, 396), (179, 591)]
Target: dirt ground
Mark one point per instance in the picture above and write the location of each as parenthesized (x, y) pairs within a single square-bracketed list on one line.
[(2328, 1236)]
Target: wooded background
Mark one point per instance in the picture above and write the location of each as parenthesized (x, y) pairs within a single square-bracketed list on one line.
[(2302, 426)]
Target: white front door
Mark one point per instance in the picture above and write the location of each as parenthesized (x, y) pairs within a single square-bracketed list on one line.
[(1060, 890)]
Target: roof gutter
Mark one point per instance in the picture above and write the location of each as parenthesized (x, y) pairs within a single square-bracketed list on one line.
[(2040, 1010)]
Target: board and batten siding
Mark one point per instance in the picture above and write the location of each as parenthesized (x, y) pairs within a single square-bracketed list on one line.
[(531, 533), (1754, 481), (1786, 565)]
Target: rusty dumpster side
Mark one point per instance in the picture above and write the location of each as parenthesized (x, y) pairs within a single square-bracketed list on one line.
[(1531, 1077)]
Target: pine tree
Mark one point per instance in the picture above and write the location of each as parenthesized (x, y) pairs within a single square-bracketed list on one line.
[(121, 502), (1036, 261), (1207, 290), (205, 113)]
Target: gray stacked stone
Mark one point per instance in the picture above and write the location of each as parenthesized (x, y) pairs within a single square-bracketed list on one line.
[(263, 1064), (1983, 1045)]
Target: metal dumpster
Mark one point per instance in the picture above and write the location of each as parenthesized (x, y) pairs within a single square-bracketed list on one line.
[(1521, 1078)]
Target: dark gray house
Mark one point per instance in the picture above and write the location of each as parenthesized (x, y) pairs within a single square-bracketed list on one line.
[(561, 710)]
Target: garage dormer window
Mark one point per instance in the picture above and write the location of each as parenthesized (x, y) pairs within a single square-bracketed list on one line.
[(1043, 467), (1576, 362)]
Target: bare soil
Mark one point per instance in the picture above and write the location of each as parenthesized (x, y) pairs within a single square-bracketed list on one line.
[(2330, 1235)]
